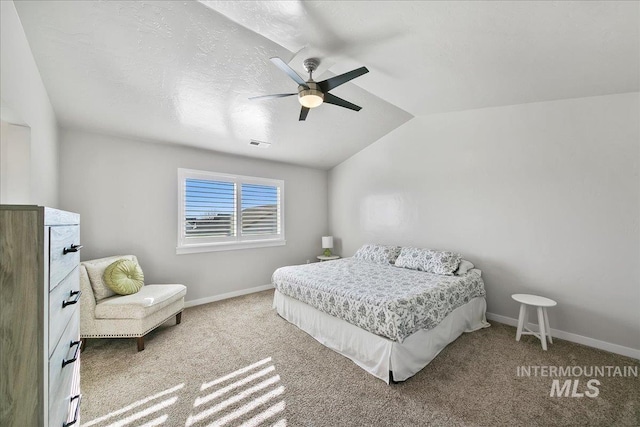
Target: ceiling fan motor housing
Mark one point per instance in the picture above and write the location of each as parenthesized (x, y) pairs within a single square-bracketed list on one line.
[(311, 64)]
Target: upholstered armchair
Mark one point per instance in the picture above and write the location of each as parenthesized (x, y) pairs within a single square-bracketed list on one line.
[(104, 314)]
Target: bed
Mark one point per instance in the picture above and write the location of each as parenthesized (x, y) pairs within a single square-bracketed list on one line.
[(390, 321)]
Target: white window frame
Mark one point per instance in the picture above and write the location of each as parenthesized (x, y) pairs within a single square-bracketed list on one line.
[(226, 243)]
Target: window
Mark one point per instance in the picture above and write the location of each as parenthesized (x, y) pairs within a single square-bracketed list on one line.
[(224, 212)]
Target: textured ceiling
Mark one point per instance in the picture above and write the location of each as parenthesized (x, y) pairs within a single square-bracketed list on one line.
[(437, 56), (182, 71)]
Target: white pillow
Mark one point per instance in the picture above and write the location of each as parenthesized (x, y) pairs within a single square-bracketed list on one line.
[(464, 267)]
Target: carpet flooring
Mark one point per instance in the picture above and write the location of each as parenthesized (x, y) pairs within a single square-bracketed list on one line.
[(236, 362)]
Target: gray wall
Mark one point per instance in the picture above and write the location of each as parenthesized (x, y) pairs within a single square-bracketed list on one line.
[(25, 102), (543, 197), (126, 193)]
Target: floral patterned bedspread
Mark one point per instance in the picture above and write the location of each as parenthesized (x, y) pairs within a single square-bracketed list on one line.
[(389, 301)]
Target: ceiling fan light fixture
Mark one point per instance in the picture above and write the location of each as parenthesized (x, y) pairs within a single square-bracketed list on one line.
[(312, 94), (311, 98)]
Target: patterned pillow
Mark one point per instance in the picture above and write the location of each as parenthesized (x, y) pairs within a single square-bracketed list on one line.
[(380, 254), (464, 267), (436, 262)]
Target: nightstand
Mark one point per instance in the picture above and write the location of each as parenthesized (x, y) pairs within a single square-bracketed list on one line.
[(327, 258)]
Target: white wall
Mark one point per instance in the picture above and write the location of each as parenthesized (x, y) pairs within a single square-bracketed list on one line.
[(15, 163), (126, 193), (543, 197), (23, 92)]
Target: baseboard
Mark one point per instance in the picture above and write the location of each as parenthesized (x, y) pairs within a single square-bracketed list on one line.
[(228, 295), (579, 339)]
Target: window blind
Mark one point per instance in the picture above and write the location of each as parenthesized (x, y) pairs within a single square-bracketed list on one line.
[(260, 213), (220, 211), (210, 208)]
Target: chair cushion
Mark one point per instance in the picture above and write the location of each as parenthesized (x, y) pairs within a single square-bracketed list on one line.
[(150, 299), (95, 271), (124, 277)]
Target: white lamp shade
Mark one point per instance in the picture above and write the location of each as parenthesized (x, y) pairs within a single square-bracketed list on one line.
[(327, 242), (310, 100)]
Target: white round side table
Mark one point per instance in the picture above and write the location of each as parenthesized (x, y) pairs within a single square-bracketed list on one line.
[(541, 303), (327, 258)]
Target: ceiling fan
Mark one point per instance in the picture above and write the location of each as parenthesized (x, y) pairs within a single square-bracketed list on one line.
[(312, 94)]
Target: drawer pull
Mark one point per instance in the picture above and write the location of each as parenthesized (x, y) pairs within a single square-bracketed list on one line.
[(75, 354), (72, 248), (77, 414), (75, 301)]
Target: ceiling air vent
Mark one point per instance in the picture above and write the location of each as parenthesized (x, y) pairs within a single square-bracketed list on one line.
[(260, 144)]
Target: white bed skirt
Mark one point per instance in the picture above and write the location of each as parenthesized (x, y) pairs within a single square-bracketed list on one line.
[(373, 353)]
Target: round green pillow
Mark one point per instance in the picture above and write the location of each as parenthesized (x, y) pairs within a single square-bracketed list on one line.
[(124, 277)]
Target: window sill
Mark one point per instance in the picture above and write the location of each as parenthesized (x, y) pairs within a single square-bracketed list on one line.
[(229, 246)]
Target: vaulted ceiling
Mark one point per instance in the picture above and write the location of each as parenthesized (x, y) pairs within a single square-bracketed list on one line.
[(182, 72)]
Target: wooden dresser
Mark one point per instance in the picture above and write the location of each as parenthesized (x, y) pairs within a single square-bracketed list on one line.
[(39, 317)]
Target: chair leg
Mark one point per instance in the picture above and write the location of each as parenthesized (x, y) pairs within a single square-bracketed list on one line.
[(521, 320), (83, 344), (140, 341), (543, 329), (178, 318), (546, 324)]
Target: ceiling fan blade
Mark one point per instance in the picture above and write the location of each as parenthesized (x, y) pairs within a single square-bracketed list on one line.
[(333, 82), (303, 114), (278, 95), (332, 99), (285, 67)]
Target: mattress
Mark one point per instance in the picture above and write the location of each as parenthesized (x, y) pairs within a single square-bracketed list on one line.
[(385, 300)]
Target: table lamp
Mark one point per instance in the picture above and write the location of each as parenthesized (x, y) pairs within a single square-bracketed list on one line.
[(327, 245)]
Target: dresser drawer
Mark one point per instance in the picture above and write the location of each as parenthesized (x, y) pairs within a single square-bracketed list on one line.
[(61, 239), (64, 353), (63, 303), (61, 406), (64, 404)]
